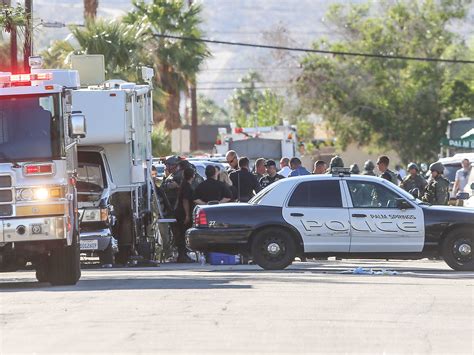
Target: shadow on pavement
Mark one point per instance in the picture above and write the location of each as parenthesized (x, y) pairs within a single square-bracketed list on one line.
[(126, 283)]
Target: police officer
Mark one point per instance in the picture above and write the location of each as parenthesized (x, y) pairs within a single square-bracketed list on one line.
[(271, 176), (413, 180), (385, 173), (259, 169), (244, 181), (354, 169), (437, 191), (336, 162), (171, 184), (182, 165), (369, 167)]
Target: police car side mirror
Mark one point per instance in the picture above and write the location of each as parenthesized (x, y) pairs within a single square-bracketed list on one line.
[(472, 186), (403, 204), (77, 126)]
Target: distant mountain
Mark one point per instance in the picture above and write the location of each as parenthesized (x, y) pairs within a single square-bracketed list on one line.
[(231, 20)]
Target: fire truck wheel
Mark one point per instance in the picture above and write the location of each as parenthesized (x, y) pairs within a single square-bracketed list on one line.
[(64, 266), (42, 270), (106, 257)]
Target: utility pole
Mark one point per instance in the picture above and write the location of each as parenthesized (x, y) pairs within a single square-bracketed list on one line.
[(13, 42), (28, 45), (194, 114)]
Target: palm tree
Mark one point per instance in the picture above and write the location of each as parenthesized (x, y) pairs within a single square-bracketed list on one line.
[(118, 42), (10, 19), (90, 9), (176, 61)]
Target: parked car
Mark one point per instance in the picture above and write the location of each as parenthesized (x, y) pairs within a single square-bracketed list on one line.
[(202, 164), (335, 215), (94, 187)]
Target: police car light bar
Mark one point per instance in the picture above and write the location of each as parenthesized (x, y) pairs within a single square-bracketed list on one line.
[(341, 172)]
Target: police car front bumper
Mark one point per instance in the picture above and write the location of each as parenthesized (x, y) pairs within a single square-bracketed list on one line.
[(216, 239), (98, 240)]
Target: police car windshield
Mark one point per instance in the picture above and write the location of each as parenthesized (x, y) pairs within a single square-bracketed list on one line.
[(30, 128), (258, 197)]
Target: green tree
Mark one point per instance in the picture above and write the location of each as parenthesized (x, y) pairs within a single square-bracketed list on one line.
[(250, 106), (160, 141), (177, 61), (209, 112), (118, 42), (389, 103)]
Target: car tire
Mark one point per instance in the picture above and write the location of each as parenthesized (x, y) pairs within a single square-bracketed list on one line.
[(273, 249), (64, 266), (106, 256), (458, 249)]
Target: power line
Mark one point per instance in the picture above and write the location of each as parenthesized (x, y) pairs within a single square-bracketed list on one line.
[(254, 68), (320, 51), (241, 83), (243, 87)]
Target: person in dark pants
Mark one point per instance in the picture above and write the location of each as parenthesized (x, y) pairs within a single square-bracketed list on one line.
[(212, 190), (183, 213), (244, 181)]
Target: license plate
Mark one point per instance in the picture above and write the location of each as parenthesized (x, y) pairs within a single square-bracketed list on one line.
[(89, 244)]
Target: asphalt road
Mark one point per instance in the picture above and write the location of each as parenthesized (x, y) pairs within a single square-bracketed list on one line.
[(311, 307)]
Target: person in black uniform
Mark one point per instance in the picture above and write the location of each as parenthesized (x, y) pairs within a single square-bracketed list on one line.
[(211, 190), (244, 181), (271, 175), (183, 213)]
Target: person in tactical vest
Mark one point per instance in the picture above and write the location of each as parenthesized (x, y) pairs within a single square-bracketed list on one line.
[(437, 191), (382, 164), (413, 180), (369, 167), (336, 162)]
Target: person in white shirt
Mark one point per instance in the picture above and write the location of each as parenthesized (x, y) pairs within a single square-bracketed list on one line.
[(285, 169), (462, 178)]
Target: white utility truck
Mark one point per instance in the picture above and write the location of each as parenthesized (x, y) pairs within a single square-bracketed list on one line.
[(38, 164), (117, 147), (255, 142)]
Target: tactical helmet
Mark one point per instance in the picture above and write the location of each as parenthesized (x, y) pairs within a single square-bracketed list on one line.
[(336, 162), (439, 167), (412, 166), (369, 165), (354, 169), (172, 160)]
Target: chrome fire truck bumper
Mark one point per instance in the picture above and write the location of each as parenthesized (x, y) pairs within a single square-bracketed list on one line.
[(33, 229)]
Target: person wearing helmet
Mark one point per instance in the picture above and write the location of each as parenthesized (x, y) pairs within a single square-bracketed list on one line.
[(369, 167), (171, 184), (437, 191), (336, 162), (354, 169), (413, 180)]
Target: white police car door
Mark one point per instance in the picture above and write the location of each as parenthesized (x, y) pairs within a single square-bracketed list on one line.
[(378, 225), (317, 210)]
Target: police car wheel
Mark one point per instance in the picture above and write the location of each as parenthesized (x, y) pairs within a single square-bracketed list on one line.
[(273, 249), (106, 257), (458, 249)]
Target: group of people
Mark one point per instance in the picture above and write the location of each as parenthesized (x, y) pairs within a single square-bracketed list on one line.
[(184, 188)]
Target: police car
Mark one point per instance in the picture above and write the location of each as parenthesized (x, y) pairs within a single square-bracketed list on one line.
[(335, 215)]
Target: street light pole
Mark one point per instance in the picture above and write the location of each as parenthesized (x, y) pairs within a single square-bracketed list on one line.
[(28, 45)]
